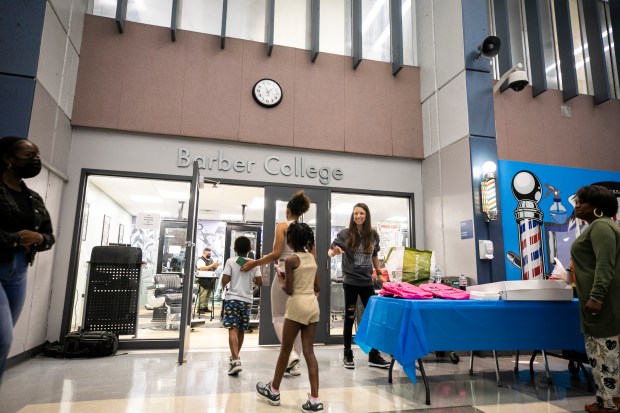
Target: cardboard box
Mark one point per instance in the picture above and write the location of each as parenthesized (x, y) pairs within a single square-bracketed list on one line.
[(528, 290)]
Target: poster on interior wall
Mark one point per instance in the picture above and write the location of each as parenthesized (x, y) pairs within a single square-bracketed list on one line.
[(537, 209), (211, 234), (85, 220), (390, 235), (105, 232)]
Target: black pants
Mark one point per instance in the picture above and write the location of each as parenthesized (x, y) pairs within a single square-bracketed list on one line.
[(351, 292)]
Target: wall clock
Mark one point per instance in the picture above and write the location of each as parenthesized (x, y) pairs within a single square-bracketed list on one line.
[(267, 93)]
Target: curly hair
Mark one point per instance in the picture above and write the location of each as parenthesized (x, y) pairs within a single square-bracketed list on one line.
[(300, 237), (299, 203), (599, 197), (367, 236), (243, 245)]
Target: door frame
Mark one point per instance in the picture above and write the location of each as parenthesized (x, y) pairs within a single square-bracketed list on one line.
[(242, 226), (185, 326)]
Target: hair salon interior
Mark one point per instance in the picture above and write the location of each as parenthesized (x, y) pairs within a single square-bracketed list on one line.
[(443, 116)]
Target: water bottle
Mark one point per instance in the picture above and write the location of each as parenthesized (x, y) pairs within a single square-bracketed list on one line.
[(438, 274), (462, 282)]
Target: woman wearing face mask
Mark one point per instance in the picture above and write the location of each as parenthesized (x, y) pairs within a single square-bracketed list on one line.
[(25, 229)]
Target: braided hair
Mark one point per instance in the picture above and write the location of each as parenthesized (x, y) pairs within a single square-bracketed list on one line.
[(300, 237)]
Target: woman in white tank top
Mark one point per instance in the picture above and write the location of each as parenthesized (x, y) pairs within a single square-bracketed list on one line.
[(295, 208)]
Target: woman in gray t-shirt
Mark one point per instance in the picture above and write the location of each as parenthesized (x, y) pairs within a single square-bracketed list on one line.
[(359, 244)]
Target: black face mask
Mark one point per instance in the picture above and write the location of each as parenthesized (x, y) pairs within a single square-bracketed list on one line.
[(31, 168)]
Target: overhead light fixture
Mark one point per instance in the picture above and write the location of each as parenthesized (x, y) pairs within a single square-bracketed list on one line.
[(147, 199), (174, 194), (488, 191), (516, 77), (159, 212), (257, 203), (231, 217), (489, 48)]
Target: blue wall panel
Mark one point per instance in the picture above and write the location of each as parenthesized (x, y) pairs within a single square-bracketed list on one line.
[(21, 26), (484, 149), (16, 94)]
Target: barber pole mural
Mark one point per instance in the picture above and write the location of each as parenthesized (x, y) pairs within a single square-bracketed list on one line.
[(527, 189), (539, 240)]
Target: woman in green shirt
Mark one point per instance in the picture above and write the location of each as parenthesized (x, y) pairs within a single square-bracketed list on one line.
[(596, 257)]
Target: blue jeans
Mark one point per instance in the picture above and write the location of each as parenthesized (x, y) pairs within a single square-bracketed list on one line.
[(13, 283)]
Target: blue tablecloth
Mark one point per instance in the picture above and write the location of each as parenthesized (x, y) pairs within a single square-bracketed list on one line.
[(410, 329)]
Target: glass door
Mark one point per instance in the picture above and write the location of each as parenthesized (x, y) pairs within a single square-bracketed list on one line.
[(189, 266), (317, 217)]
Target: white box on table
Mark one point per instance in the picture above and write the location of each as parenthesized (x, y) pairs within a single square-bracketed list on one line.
[(528, 290)]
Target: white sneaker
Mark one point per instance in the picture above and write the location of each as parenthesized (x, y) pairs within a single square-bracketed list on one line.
[(234, 367), (295, 371), (292, 365)]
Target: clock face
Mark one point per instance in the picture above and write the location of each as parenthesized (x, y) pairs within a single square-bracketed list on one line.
[(267, 93)]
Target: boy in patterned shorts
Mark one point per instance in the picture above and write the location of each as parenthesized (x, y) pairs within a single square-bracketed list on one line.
[(238, 299)]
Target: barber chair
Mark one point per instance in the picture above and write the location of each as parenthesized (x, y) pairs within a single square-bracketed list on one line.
[(169, 286)]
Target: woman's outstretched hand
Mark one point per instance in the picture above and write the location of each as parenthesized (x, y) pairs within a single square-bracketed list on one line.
[(248, 266), (336, 250)]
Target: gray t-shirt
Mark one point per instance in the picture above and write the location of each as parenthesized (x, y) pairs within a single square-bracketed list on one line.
[(240, 286), (356, 265)]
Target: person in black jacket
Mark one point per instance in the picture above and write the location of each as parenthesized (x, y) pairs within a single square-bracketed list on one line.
[(25, 229)]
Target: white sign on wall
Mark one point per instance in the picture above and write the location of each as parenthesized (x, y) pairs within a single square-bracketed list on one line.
[(148, 221)]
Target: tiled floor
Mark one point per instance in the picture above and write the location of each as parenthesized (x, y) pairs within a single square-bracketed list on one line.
[(152, 382)]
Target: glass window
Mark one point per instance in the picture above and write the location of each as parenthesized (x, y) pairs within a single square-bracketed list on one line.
[(246, 19), (519, 47), (550, 54), (104, 8), (580, 67), (292, 24), (518, 40), (409, 34), (610, 56), (202, 16), (335, 27), (376, 41), (154, 12)]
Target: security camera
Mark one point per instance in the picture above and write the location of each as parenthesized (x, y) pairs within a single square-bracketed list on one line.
[(516, 77), (517, 80)]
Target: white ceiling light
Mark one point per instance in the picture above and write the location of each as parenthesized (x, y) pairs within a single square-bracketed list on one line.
[(161, 213), (344, 208), (174, 195), (257, 203), (147, 199)]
